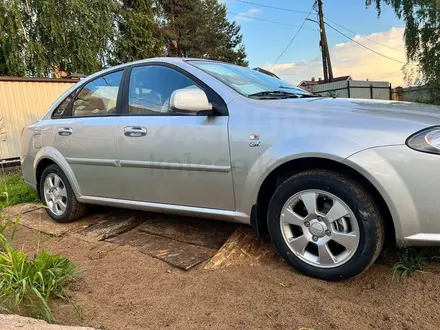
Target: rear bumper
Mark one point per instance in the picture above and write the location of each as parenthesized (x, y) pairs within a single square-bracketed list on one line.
[(408, 181)]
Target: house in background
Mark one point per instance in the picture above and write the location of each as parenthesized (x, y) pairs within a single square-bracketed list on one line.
[(308, 84), (346, 87)]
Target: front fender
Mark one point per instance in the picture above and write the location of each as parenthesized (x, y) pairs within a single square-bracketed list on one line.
[(333, 148), (55, 156)]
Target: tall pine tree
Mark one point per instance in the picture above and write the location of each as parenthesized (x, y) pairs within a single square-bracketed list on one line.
[(47, 37), (138, 35), (200, 28)]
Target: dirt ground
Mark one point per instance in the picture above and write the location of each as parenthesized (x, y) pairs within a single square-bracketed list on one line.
[(122, 288)]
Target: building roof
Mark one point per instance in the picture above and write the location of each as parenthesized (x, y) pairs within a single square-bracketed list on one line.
[(321, 81), (266, 72)]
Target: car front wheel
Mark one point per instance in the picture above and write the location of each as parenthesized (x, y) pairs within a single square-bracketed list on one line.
[(325, 225), (57, 194)]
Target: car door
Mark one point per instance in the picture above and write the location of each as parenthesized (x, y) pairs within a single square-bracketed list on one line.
[(168, 157), (86, 136)]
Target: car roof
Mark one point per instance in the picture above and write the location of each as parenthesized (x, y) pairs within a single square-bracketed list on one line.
[(171, 60)]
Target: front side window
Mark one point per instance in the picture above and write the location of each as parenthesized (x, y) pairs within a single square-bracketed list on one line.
[(151, 87), (99, 96), (248, 82), (61, 110)]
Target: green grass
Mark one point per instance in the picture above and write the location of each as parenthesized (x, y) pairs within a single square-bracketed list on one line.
[(411, 260), (28, 285), (14, 190)]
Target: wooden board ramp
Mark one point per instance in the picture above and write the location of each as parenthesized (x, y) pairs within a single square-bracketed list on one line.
[(183, 242), (15, 210), (201, 232), (110, 225), (176, 253), (244, 248), (38, 219)]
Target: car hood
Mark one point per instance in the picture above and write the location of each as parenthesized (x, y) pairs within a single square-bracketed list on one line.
[(407, 112), (368, 123)]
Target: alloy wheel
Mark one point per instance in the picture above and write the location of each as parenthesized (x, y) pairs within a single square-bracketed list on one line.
[(319, 228), (55, 194)]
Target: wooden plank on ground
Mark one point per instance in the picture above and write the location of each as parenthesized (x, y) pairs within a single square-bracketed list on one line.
[(14, 322), (208, 233), (109, 226), (14, 210), (179, 254), (243, 248), (39, 220)]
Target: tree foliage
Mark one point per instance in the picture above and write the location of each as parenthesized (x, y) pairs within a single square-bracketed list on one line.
[(422, 35), (47, 37), (199, 28), (42, 38), (138, 35), (12, 41)]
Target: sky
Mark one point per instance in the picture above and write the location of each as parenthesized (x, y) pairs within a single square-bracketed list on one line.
[(265, 41)]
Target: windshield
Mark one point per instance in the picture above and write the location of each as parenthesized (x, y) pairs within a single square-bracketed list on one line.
[(248, 82)]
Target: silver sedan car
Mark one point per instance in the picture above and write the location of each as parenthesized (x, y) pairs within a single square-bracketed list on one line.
[(330, 180)]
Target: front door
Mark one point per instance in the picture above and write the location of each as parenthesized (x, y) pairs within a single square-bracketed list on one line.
[(87, 137), (171, 158)]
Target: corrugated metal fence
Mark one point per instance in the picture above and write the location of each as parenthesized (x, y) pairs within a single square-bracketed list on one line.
[(359, 89), (22, 102)]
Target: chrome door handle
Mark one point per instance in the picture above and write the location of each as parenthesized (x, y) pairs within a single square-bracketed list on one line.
[(65, 131), (135, 131)]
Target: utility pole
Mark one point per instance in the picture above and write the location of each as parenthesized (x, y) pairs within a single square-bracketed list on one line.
[(326, 61)]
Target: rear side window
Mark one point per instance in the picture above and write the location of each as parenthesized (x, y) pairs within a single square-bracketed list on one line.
[(62, 108), (98, 97)]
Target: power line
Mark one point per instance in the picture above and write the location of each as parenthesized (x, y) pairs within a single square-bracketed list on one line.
[(363, 46), (351, 31), (272, 7), (297, 32), (270, 21)]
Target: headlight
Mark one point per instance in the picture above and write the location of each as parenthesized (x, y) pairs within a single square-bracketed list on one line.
[(427, 140)]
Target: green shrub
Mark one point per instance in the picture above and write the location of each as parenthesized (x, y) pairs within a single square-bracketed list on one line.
[(425, 101), (27, 285)]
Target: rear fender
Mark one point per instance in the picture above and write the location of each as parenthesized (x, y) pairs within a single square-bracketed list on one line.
[(55, 156)]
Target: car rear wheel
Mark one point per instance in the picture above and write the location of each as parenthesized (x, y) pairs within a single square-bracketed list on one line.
[(57, 194), (325, 225)]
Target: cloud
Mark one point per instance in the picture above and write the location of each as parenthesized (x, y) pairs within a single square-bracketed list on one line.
[(351, 59), (247, 15)]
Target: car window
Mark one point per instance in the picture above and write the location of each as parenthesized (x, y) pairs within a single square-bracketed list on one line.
[(151, 87), (246, 81), (99, 96), (63, 107)]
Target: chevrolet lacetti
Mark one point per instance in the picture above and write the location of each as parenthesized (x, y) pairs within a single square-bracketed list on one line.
[(330, 180)]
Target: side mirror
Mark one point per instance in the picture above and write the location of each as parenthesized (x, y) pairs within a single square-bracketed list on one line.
[(190, 100)]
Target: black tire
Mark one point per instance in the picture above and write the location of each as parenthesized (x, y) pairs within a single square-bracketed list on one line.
[(363, 206), (74, 209)]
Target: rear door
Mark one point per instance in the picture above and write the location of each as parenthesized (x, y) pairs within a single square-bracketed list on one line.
[(168, 157), (86, 136)]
